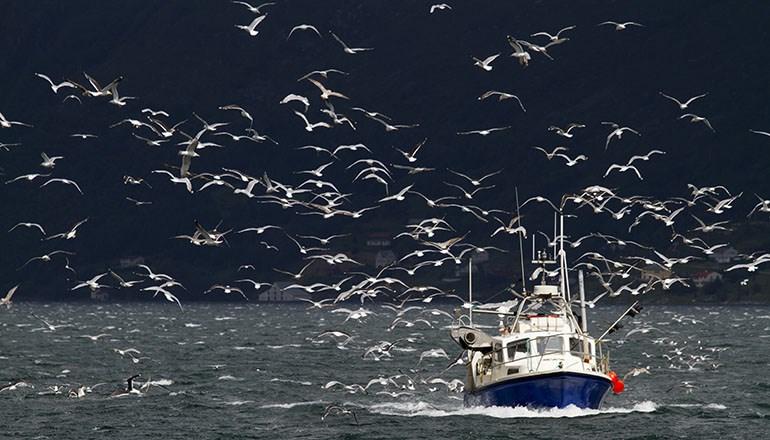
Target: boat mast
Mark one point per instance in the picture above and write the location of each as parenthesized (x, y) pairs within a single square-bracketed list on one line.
[(583, 317), (521, 246), (470, 290)]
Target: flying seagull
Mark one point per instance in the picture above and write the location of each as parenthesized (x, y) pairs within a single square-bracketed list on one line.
[(303, 27)]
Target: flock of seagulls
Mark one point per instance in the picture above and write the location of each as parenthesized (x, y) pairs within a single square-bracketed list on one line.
[(459, 218)]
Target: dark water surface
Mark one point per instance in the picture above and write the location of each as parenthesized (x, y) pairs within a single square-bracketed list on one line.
[(252, 371)]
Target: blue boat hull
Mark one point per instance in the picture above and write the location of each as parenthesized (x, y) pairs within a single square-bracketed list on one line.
[(553, 390)]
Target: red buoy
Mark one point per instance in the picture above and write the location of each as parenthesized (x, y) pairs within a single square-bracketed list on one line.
[(617, 384)]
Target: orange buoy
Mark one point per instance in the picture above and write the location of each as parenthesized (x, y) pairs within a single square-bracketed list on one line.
[(617, 384)]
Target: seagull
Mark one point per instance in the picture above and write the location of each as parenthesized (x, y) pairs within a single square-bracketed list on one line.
[(95, 337), (293, 97), (255, 284), (709, 228), (540, 199), (518, 51), (555, 39), (92, 284), (134, 123), (260, 230), (27, 177), (695, 118), (682, 105), (572, 162), (644, 157), (347, 49), (336, 410), (509, 229), (308, 126), (439, 7), (155, 112), (84, 136), (486, 63), (55, 87), (150, 142), (170, 297), (207, 126), (354, 147), (98, 90), (399, 196), (326, 93), (183, 180), (303, 27), (226, 289), (763, 206), (566, 133), (621, 26), (46, 258), (623, 168), (153, 276), (617, 131), (635, 371), (297, 275), (29, 225), (763, 133), (324, 73), (5, 147), (49, 162), (72, 233), (6, 300), (117, 99), (433, 353), (412, 157), (121, 281), (65, 181), (253, 9), (501, 96), (484, 132), (5, 123), (165, 131), (241, 110), (251, 27), (552, 154), (318, 304), (475, 182)]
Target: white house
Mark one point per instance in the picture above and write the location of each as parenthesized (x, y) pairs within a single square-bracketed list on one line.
[(725, 255), (279, 292), (706, 277)]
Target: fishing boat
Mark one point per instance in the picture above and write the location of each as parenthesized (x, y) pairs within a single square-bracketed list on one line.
[(542, 355)]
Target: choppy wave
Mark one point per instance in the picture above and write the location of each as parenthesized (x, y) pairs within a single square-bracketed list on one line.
[(292, 405), (424, 409), (238, 402), (714, 406)]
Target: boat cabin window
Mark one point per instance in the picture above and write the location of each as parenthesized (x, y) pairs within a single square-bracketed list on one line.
[(498, 348), (549, 344), (576, 346), (519, 347)]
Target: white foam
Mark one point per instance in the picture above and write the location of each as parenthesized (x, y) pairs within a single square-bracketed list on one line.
[(228, 377), (238, 402), (423, 409), (276, 379), (714, 406), (292, 405)]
